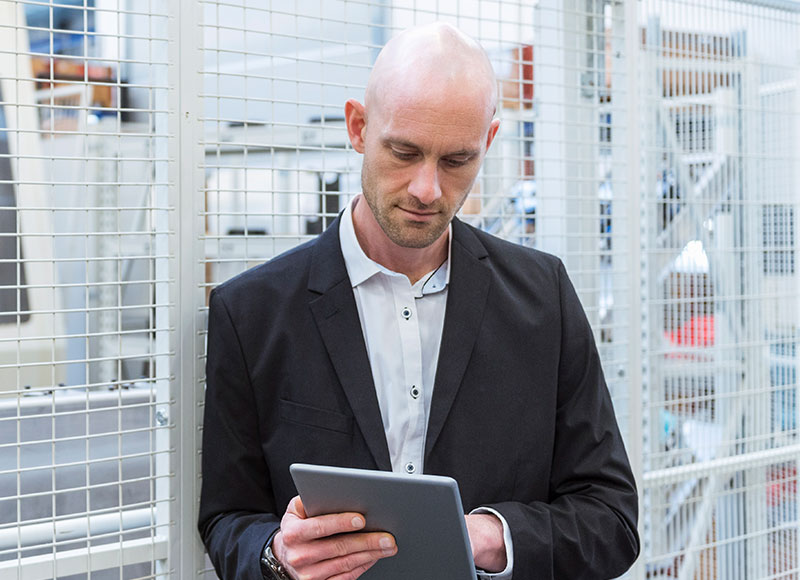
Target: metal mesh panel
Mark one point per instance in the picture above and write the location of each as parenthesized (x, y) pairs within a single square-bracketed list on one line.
[(84, 342), (651, 145), (719, 143)]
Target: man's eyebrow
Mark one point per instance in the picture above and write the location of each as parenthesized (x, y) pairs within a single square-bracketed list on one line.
[(389, 141), (463, 153)]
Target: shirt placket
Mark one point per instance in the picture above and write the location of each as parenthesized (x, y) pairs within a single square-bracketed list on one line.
[(409, 331)]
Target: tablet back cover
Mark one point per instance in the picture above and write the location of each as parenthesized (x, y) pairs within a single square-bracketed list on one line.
[(423, 512)]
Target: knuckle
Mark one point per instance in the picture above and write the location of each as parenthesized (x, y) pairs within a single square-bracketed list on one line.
[(340, 567), (294, 559), (356, 572), (341, 548), (290, 535), (318, 527), (346, 564)]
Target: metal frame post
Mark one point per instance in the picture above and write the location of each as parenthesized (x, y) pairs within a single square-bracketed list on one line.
[(627, 13), (186, 550)]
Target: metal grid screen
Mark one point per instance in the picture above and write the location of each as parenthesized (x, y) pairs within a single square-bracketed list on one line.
[(150, 151), (84, 300), (719, 102)]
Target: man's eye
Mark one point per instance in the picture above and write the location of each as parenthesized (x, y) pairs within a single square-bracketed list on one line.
[(403, 155), (456, 161)]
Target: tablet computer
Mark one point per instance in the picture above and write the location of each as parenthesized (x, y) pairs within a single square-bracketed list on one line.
[(422, 512)]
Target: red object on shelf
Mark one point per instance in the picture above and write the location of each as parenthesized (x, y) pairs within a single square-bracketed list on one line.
[(697, 331)]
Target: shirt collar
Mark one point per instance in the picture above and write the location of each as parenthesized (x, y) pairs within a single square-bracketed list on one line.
[(361, 268)]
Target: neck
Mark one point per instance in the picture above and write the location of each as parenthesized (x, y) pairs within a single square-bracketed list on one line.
[(413, 262)]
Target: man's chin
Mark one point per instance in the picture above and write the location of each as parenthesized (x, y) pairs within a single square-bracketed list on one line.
[(415, 238)]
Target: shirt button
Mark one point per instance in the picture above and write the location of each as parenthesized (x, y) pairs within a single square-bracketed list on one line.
[(410, 467), (406, 312), (415, 391)]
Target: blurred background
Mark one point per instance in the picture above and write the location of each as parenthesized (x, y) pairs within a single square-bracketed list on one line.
[(151, 150)]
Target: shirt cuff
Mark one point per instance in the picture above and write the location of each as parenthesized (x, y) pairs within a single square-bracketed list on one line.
[(505, 574)]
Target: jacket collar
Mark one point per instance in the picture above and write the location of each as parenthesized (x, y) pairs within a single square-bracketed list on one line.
[(335, 312)]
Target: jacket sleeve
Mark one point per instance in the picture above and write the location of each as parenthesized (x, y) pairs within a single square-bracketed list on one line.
[(237, 512), (587, 529)]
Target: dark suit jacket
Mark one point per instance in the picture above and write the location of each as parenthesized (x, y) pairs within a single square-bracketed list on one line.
[(521, 416)]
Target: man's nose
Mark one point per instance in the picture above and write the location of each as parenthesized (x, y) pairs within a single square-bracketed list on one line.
[(425, 183)]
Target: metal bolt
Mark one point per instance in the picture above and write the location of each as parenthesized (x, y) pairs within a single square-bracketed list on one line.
[(162, 417)]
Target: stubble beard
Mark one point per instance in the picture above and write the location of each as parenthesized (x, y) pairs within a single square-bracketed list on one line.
[(405, 233)]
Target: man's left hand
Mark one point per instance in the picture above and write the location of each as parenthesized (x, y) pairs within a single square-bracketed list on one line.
[(486, 538)]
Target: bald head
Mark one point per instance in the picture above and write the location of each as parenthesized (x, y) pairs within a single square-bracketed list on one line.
[(432, 60), (424, 130)]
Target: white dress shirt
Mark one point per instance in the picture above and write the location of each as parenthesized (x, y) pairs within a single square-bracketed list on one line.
[(402, 326)]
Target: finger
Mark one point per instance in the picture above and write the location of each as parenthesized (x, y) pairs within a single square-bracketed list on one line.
[(355, 573), (337, 548), (344, 545), (299, 530), (346, 567)]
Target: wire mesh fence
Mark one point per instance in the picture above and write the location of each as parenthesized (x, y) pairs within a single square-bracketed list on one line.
[(150, 151)]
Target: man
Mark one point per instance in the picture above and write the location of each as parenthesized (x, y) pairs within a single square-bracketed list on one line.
[(404, 339)]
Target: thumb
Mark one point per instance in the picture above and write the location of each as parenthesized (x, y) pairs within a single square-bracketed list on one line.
[(296, 507)]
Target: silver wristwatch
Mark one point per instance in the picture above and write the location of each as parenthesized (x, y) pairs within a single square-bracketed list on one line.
[(271, 569)]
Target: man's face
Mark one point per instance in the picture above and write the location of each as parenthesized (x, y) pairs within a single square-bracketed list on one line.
[(421, 158)]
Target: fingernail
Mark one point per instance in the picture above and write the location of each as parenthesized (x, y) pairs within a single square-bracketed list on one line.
[(387, 546), (357, 522)]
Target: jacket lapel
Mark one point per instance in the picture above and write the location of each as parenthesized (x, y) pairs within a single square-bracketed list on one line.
[(336, 316), (467, 292)]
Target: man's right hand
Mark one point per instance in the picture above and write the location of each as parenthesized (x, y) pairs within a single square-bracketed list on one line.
[(326, 547)]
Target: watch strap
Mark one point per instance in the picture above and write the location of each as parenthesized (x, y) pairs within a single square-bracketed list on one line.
[(271, 568)]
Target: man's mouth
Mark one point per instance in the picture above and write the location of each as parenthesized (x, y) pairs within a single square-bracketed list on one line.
[(421, 214)]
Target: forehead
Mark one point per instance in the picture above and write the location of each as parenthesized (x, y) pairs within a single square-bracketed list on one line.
[(430, 121)]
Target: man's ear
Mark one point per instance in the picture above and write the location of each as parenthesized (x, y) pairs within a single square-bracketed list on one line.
[(356, 119), (495, 125)]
